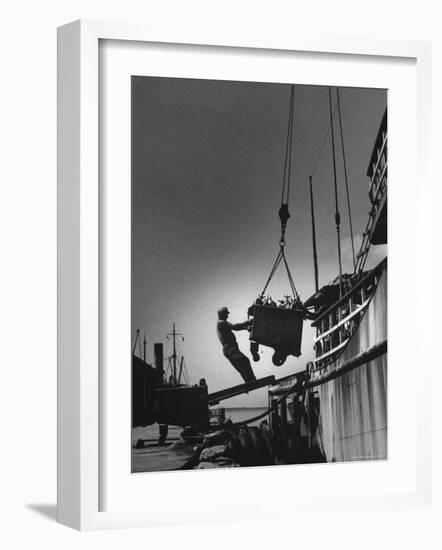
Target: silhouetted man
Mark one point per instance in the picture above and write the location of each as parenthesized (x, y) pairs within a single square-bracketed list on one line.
[(231, 350)]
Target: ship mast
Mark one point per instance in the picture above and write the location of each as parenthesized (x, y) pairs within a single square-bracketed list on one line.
[(174, 335), (337, 214), (315, 252)]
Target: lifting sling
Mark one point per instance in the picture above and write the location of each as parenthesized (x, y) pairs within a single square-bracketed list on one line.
[(283, 212)]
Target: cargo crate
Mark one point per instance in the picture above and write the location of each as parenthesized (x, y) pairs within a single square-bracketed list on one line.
[(279, 328)]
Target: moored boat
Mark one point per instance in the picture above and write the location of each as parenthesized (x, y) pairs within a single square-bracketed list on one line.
[(337, 409)]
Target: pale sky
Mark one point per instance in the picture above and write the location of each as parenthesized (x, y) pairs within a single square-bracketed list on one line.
[(207, 161)]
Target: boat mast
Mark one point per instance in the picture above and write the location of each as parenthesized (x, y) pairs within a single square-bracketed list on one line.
[(174, 334), (315, 252), (337, 214), (174, 355), (181, 369), (346, 179)]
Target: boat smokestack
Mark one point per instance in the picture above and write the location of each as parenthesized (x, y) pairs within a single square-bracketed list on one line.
[(158, 355)]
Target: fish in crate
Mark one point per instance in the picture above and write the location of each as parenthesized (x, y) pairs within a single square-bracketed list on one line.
[(277, 325)]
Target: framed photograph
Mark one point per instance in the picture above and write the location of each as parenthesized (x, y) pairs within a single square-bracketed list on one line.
[(231, 321)]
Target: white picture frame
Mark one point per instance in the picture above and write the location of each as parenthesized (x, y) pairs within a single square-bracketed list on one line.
[(79, 367)]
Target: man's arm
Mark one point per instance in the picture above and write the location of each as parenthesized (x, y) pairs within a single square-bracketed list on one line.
[(240, 326)]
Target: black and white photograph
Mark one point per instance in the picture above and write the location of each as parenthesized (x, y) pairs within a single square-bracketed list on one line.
[(230, 331), (258, 274)]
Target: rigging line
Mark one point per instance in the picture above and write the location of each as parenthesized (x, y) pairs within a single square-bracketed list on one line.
[(292, 101), (337, 215), (181, 370), (134, 347), (273, 270), (291, 281), (346, 179), (286, 156), (185, 373), (287, 149), (315, 251), (324, 141)]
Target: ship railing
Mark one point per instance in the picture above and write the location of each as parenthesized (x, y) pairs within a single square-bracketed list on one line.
[(378, 186), (345, 320), (377, 192), (379, 171), (379, 189), (336, 326), (366, 237)]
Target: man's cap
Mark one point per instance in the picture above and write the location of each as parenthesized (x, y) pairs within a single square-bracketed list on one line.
[(223, 309)]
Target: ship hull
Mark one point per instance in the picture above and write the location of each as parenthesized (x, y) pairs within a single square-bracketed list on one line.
[(348, 413)]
